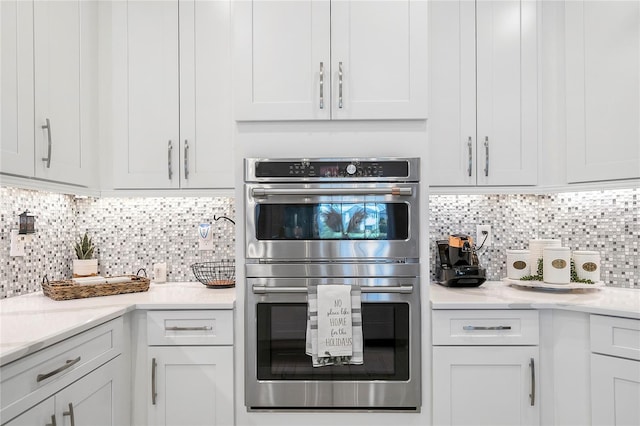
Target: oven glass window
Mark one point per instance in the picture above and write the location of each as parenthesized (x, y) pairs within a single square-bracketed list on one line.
[(281, 344), (332, 221)]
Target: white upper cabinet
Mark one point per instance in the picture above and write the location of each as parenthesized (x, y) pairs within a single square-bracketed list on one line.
[(603, 90), (205, 95), (482, 125), (49, 90), (16, 88), (171, 97), (310, 60), (145, 94)]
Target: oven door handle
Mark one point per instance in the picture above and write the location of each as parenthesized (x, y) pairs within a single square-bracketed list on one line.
[(396, 191), (262, 289)]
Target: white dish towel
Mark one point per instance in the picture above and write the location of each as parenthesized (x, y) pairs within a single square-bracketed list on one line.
[(334, 325)]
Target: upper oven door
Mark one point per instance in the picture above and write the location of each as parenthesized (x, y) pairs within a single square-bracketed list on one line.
[(331, 220)]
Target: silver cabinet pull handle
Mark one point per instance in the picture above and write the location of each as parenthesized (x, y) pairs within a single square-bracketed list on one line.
[(169, 149), (469, 146), (340, 85), (261, 289), (47, 159), (532, 395), (321, 85), (203, 328), (486, 155), (154, 393), (53, 421), (186, 159), (478, 327), (70, 414), (395, 191), (68, 364)]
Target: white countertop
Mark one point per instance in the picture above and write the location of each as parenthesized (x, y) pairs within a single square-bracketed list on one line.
[(621, 302), (33, 321)]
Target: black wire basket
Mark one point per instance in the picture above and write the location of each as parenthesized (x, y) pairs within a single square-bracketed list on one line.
[(219, 274)]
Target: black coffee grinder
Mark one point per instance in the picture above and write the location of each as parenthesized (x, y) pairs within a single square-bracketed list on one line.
[(457, 263)]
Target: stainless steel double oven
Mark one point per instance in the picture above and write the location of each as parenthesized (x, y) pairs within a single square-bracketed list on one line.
[(332, 221)]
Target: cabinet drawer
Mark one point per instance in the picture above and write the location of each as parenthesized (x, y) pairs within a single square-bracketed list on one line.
[(45, 372), (615, 336), (480, 327), (206, 327)]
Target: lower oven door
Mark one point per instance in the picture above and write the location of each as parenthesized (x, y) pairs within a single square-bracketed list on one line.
[(279, 374)]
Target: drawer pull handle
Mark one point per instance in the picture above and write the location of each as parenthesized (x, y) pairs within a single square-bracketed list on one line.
[(477, 327), (203, 328), (532, 395), (154, 393), (53, 421), (68, 364), (70, 414)]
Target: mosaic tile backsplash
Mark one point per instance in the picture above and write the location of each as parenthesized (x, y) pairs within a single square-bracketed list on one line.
[(129, 233), (604, 221), (136, 232)]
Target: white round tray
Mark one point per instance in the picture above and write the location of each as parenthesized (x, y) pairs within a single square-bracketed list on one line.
[(557, 287)]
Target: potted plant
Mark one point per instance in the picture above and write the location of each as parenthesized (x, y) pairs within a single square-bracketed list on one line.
[(84, 265)]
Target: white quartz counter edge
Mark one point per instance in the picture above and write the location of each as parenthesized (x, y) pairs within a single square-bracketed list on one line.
[(31, 322), (620, 302)]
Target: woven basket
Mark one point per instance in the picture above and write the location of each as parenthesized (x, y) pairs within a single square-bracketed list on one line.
[(68, 289)]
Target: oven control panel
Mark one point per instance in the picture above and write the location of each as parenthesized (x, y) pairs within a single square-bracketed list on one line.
[(341, 169)]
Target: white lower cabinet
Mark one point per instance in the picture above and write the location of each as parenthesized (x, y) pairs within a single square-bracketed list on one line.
[(485, 367), (487, 385), (78, 381), (191, 385), (91, 401), (615, 371), (190, 365), (41, 414)]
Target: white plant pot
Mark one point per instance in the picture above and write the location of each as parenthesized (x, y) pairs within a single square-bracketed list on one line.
[(85, 267)]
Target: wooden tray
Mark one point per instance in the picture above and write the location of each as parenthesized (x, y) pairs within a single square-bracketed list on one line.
[(68, 289)]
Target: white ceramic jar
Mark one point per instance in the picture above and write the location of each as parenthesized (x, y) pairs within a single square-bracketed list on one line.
[(518, 264), (536, 251), (587, 265), (557, 265)]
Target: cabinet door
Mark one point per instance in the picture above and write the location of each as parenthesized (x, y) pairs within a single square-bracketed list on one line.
[(16, 87), (283, 60), (603, 90), (379, 59), (206, 156), (92, 400), (452, 93), (42, 414), (615, 391), (145, 94), (192, 385), (66, 69), (507, 128), (486, 385)]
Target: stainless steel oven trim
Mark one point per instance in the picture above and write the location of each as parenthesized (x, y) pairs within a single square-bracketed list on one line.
[(339, 394), (404, 269)]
